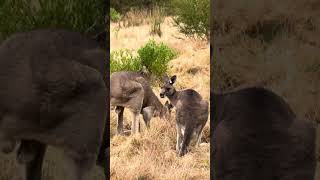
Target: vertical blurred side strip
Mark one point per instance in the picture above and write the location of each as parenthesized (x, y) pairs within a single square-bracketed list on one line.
[(103, 38), (212, 141)]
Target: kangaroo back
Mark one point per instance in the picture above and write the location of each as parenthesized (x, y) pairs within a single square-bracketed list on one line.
[(54, 93)]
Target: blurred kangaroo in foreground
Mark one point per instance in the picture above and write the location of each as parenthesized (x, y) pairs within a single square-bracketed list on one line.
[(133, 91), (191, 113), (256, 135), (53, 92)]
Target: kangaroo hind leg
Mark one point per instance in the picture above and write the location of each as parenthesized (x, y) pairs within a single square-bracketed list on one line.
[(29, 158), (147, 113), (119, 110)]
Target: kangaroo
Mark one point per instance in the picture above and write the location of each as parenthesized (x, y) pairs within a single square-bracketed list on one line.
[(169, 106), (191, 113), (133, 91), (256, 135), (54, 92)]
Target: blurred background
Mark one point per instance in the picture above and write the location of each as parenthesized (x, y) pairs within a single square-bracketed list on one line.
[(87, 17), (273, 44)]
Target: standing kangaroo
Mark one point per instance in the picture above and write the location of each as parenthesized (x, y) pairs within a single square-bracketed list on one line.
[(53, 92), (256, 135), (191, 113), (133, 91)]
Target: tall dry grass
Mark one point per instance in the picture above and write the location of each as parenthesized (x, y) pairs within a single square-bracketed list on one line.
[(151, 154), (274, 44)]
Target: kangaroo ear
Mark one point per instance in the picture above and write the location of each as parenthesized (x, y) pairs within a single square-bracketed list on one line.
[(166, 78), (173, 79)]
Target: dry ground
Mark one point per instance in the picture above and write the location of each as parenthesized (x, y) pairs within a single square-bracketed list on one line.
[(274, 44), (151, 154)]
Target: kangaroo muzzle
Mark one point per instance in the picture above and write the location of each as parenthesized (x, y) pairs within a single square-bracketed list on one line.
[(162, 92)]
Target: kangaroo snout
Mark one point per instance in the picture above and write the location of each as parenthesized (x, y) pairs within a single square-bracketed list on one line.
[(162, 93)]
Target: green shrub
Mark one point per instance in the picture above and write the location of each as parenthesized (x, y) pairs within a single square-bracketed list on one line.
[(124, 60), (155, 57), (115, 16), (23, 15), (192, 17)]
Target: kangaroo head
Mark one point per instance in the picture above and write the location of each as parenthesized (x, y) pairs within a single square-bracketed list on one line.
[(168, 89)]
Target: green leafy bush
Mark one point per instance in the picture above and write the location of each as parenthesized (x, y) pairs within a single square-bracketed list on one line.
[(155, 57), (192, 17), (23, 15), (115, 16), (124, 60)]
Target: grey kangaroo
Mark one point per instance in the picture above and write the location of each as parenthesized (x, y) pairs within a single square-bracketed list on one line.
[(191, 113), (133, 91), (53, 92), (169, 106), (256, 135)]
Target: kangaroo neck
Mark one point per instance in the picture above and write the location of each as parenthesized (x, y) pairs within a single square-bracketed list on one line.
[(156, 102), (174, 98)]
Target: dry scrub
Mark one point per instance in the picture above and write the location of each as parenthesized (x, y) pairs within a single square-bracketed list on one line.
[(274, 44), (151, 154)]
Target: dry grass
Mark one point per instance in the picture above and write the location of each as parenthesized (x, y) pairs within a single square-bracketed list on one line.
[(286, 61), (135, 17), (151, 154)]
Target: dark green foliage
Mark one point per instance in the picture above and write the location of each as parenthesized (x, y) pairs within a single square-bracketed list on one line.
[(23, 15), (193, 17), (115, 16)]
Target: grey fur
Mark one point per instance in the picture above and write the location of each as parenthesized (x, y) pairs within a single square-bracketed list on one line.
[(133, 91), (53, 92), (191, 113), (256, 135)]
